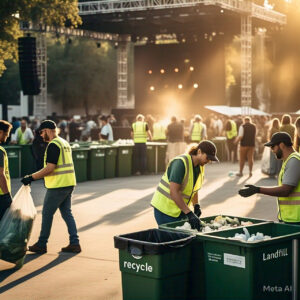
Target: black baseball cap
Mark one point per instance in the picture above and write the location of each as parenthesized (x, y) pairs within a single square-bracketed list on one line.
[(47, 124), (280, 137), (209, 149)]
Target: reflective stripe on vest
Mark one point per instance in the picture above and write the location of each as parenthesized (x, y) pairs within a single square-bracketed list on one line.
[(289, 207), (196, 132), (63, 174), (139, 132), (162, 199), (6, 171), (233, 132), (158, 132)]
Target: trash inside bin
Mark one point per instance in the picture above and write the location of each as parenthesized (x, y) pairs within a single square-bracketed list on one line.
[(154, 264)]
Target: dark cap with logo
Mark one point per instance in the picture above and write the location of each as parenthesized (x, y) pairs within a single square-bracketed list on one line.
[(47, 124), (280, 137), (209, 149)]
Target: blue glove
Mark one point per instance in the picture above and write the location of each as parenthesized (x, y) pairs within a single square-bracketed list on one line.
[(27, 179)]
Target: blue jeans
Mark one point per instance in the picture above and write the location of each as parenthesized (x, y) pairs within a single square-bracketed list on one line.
[(54, 199), (162, 218)]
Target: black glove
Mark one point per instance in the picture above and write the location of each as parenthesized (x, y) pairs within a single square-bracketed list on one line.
[(6, 198), (27, 179), (194, 221), (249, 191), (197, 210)]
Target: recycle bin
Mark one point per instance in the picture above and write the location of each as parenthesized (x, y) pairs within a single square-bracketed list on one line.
[(80, 156), (28, 165), (151, 150), (110, 161), (96, 163), (161, 157), (124, 160), (251, 270), (154, 264), (14, 160)]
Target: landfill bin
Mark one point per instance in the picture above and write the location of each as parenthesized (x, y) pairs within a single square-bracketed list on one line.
[(197, 278), (124, 160), (14, 160), (96, 163), (110, 161), (161, 157), (151, 149), (251, 270), (80, 157), (28, 164), (154, 264)]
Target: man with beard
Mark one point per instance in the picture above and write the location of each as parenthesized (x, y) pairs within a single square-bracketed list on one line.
[(59, 176), (288, 189)]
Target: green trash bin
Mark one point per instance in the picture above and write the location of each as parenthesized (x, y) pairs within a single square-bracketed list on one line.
[(197, 277), (14, 160), (110, 161), (124, 160), (154, 264), (28, 164), (80, 157), (251, 270), (161, 157), (96, 163), (151, 148)]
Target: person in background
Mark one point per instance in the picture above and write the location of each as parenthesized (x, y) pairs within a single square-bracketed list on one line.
[(297, 135), (275, 127), (179, 186), (112, 120), (23, 134), (106, 130), (150, 121), (288, 189), (62, 125), (5, 187), (15, 124), (74, 132), (159, 132), (197, 130), (246, 137), (139, 133), (231, 133), (175, 137), (38, 150), (287, 126)]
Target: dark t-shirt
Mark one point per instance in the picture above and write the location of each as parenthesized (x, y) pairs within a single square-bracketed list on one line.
[(175, 132), (1, 159), (53, 152), (176, 171)]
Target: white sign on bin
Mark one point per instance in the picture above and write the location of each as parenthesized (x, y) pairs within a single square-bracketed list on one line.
[(234, 260)]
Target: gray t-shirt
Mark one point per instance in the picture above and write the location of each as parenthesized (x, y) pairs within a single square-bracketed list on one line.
[(291, 175)]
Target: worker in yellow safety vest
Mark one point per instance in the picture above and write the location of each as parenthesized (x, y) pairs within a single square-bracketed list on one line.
[(23, 134), (231, 134), (139, 133), (5, 187), (159, 132), (60, 180), (179, 186), (197, 130), (288, 189)]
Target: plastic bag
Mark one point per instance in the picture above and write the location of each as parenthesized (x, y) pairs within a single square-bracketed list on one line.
[(265, 161), (15, 227)]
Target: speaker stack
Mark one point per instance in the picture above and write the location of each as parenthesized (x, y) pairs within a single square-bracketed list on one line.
[(28, 66)]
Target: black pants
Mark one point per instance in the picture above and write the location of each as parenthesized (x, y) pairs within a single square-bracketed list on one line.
[(139, 157), (4, 205)]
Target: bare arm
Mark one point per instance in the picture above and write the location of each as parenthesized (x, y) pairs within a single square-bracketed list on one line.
[(3, 182), (44, 172), (195, 199), (175, 192), (149, 135), (277, 191)]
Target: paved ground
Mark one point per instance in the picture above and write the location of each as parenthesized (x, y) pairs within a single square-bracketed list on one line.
[(106, 208)]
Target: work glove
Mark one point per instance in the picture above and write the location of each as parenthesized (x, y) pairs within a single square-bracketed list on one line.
[(194, 221), (197, 210), (27, 179), (6, 198), (249, 190)]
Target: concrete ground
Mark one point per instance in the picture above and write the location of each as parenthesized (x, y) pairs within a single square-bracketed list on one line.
[(106, 208)]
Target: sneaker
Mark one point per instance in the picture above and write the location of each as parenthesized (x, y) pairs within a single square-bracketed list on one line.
[(72, 249), (37, 249), (239, 174)]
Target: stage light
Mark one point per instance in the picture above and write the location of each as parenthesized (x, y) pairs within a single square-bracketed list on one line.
[(176, 70), (191, 68), (152, 88), (213, 33), (186, 61), (180, 86), (205, 35), (116, 45), (150, 72), (195, 85), (222, 11), (162, 71)]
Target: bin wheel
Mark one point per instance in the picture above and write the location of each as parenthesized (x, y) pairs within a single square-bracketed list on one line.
[(19, 263)]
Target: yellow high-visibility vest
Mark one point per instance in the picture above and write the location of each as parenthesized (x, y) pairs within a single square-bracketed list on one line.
[(196, 132), (64, 173), (233, 132), (162, 199), (289, 207), (159, 132), (139, 132), (21, 139), (6, 171)]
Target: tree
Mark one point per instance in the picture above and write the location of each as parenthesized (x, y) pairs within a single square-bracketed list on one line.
[(48, 12), (82, 75)]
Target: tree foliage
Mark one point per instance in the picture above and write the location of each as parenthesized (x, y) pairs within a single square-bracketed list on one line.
[(48, 12)]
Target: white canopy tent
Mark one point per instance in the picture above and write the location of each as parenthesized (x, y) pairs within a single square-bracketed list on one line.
[(234, 111)]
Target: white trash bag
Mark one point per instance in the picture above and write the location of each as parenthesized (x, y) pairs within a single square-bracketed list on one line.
[(15, 227)]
